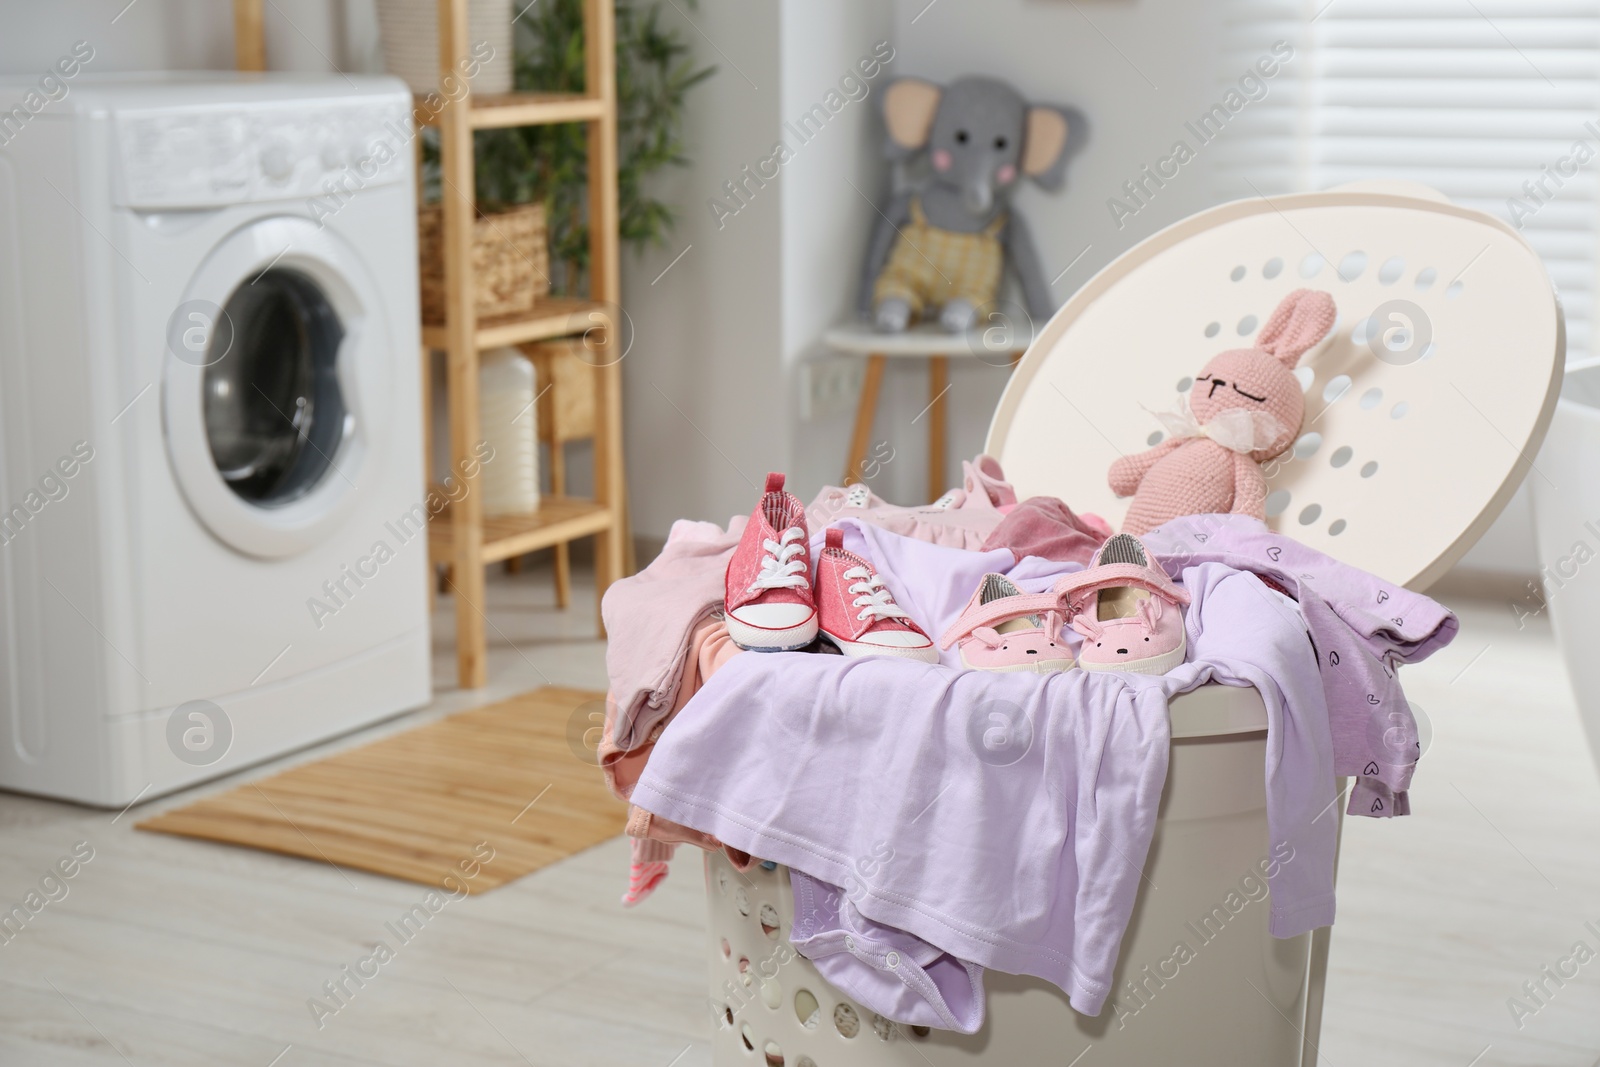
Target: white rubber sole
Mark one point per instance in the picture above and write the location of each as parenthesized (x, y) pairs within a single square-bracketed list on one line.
[(1049, 666), (861, 650), (1152, 665), (760, 639)]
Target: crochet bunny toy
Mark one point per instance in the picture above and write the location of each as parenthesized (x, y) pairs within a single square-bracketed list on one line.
[(1244, 409)]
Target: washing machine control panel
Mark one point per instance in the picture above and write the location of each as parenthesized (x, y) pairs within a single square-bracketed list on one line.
[(213, 156)]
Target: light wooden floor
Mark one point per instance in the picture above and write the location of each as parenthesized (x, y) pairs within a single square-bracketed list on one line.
[(169, 952)]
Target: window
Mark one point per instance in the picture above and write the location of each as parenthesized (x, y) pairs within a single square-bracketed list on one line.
[(1495, 103)]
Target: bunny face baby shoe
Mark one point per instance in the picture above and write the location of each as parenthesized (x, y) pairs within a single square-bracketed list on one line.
[(1128, 611), (857, 613), (1005, 629)]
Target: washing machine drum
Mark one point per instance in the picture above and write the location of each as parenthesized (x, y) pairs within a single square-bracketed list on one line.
[(276, 384), (274, 412)]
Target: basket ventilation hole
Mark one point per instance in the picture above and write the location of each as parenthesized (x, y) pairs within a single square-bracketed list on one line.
[(1341, 456), (1426, 277), (1154, 438), (1351, 266), (1277, 502), (744, 964), (741, 900), (1399, 410), (1391, 270), (722, 881), (1371, 398), (924, 1031), (1453, 291), (1237, 274), (883, 1028), (806, 1009), (1213, 328), (727, 1014), (1247, 325), (846, 1021), (1307, 446), (1336, 528), (1310, 514), (1369, 470), (1305, 376), (1337, 386), (1311, 266), (771, 993), (769, 921), (1185, 384), (749, 1037), (1363, 328), (773, 1053), (1272, 268), (805, 1061), (727, 949)]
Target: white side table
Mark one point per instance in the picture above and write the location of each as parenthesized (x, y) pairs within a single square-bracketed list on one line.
[(999, 346)]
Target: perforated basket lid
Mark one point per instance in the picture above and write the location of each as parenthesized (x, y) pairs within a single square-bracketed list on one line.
[(1424, 409)]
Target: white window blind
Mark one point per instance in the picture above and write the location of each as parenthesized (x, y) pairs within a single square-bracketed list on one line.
[(1496, 103)]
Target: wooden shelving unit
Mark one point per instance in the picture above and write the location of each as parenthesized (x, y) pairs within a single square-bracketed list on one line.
[(460, 538)]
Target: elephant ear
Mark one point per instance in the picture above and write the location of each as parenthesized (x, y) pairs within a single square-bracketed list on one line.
[(1051, 135), (909, 105)]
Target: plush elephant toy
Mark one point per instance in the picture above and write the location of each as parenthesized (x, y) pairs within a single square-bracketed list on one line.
[(944, 246)]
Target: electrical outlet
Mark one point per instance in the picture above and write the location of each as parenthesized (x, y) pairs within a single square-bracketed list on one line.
[(830, 386)]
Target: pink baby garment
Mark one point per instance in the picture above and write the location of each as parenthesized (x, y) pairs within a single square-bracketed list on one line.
[(962, 518)]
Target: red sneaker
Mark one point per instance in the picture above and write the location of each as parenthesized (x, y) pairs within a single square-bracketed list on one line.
[(767, 596), (858, 614)]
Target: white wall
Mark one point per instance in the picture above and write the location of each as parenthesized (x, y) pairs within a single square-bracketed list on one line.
[(712, 381), (1048, 50), (826, 215), (309, 35), (705, 407)]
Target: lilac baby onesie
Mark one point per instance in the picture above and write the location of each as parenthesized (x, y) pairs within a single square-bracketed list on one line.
[(1018, 808), (1240, 633), (899, 976), (1363, 629)]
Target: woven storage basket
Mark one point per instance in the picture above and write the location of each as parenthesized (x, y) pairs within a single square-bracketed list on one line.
[(566, 387), (409, 32), (510, 261)]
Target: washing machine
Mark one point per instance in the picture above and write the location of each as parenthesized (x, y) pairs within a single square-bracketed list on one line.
[(213, 543)]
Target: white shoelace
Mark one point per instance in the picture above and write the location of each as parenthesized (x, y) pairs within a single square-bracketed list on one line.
[(780, 569), (875, 600)]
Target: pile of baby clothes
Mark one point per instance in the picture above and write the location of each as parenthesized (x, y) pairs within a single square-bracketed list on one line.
[(1008, 812)]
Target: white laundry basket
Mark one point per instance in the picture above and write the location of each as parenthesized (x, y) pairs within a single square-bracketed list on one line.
[(1422, 413)]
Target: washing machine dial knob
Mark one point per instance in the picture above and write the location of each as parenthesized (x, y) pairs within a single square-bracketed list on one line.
[(276, 162)]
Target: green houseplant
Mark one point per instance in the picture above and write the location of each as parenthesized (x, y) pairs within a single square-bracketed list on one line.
[(551, 164)]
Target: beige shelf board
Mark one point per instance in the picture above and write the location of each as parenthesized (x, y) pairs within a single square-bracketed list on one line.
[(558, 520), (554, 316), (501, 110)]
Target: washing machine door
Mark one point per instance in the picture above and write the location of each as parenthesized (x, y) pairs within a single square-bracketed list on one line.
[(276, 387)]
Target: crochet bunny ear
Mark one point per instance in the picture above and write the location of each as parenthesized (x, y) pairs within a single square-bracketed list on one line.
[(1303, 319)]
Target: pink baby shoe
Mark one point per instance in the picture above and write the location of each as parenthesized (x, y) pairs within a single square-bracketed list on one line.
[(767, 595), (1005, 629), (857, 613), (1127, 610)]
